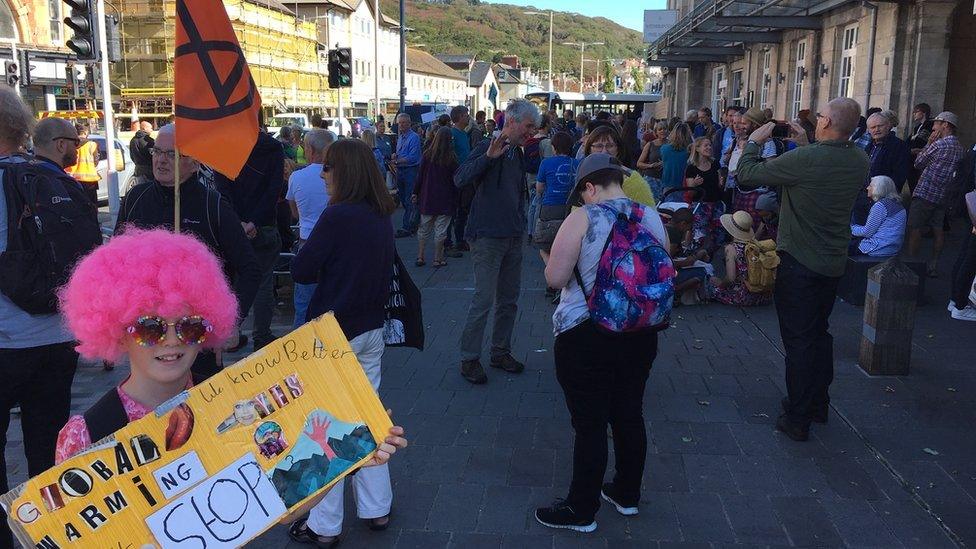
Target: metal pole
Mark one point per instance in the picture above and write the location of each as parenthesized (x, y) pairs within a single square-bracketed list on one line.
[(582, 47), (112, 173), (376, 61), (550, 50), (403, 56)]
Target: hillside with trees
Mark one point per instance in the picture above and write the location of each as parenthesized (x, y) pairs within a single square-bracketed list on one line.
[(491, 30)]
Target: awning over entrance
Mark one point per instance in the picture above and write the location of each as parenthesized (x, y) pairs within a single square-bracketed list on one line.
[(717, 30)]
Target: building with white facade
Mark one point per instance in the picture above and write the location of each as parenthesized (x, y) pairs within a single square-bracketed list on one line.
[(429, 80)]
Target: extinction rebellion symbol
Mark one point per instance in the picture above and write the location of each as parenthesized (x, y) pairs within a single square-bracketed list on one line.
[(222, 89)]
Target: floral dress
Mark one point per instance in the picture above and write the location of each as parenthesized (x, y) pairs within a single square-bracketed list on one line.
[(737, 293)]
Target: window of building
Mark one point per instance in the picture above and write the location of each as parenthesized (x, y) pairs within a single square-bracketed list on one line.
[(54, 13), (718, 89), (847, 55), (766, 79), (799, 74), (736, 88)]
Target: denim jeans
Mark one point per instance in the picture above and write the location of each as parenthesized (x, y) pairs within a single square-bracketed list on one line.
[(534, 202), (603, 378), (804, 301), (303, 295), (498, 282), (406, 178)]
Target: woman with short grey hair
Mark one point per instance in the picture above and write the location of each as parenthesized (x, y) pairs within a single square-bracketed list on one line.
[(16, 121), (884, 231)]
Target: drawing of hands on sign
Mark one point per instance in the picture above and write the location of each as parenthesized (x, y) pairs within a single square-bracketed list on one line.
[(319, 432)]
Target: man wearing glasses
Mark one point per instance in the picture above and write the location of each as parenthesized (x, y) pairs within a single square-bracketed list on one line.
[(204, 213), (56, 144)]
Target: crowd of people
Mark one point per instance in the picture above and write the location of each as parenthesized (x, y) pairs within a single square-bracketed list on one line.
[(620, 208)]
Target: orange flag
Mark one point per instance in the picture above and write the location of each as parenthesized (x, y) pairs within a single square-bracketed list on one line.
[(217, 103)]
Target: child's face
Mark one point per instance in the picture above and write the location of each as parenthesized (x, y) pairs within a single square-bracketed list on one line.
[(165, 362)]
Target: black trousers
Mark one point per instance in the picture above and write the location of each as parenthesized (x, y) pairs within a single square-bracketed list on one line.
[(964, 271), (603, 378), (205, 364), (39, 380), (804, 301)]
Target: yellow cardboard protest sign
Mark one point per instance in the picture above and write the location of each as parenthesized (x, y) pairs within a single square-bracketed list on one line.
[(220, 463)]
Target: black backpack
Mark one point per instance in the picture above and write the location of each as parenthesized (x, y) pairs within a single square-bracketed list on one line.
[(51, 223)]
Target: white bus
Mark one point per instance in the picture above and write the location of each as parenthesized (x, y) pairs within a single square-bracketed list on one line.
[(594, 102)]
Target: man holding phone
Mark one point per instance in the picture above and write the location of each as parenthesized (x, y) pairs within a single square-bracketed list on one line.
[(495, 229)]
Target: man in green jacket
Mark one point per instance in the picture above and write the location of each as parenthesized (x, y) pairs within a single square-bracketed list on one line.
[(819, 183)]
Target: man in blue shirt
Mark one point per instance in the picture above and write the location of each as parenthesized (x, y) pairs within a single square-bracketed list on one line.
[(455, 244), (407, 159)]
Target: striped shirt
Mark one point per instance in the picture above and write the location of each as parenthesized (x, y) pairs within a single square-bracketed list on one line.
[(884, 230), (938, 162)]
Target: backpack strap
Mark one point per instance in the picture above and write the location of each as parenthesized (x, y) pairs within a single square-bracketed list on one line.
[(108, 414)]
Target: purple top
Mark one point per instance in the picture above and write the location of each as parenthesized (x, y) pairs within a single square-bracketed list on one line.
[(435, 188)]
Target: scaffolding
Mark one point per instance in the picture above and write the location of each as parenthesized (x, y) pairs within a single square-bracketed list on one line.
[(285, 58)]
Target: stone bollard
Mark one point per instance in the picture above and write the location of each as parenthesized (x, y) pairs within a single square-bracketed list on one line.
[(889, 318)]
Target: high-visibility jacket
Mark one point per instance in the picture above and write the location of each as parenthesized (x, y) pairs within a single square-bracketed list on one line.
[(86, 170)]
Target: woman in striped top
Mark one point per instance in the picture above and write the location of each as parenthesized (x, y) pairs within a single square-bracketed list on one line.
[(883, 232)]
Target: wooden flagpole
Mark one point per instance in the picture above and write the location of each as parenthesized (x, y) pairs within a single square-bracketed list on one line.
[(176, 187)]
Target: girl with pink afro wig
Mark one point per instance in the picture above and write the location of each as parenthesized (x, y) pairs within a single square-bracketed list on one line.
[(156, 297), (141, 273)]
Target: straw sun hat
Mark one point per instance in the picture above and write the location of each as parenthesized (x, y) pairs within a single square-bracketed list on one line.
[(739, 225)]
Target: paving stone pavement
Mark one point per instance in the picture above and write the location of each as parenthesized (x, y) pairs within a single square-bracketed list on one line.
[(718, 475)]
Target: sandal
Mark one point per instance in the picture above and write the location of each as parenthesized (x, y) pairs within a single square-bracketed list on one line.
[(300, 532), (419, 262), (380, 523), (440, 263)]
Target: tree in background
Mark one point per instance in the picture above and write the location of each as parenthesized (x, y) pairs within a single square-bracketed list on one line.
[(637, 74), (609, 83)]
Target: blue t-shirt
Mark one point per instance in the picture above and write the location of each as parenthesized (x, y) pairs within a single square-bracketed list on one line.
[(462, 145), (675, 162), (557, 174)]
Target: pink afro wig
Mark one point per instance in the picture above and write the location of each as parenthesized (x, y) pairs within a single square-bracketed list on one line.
[(144, 273)]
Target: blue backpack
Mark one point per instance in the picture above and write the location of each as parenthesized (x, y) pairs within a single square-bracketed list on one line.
[(634, 287)]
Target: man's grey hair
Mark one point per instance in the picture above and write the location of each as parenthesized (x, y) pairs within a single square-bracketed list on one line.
[(692, 113), (167, 129), (16, 120), (317, 140), (844, 114), (880, 117), (884, 187), (402, 115), (520, 110), (48, 129)]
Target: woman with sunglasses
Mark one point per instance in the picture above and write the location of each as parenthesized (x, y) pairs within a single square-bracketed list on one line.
[(349, 254), (156, 298)]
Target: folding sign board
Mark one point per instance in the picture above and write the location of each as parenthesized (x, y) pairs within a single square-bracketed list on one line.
[(220, 463)]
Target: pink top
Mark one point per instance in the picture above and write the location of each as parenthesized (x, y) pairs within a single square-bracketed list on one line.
[(74, 436)]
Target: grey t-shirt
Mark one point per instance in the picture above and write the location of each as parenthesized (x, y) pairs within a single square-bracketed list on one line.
[(572, 310), (19, 330)]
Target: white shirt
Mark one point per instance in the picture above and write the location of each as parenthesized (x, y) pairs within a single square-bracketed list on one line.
[(306, 188)]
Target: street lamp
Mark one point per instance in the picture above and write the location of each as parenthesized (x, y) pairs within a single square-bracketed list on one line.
[(582, 47), (550, 40)]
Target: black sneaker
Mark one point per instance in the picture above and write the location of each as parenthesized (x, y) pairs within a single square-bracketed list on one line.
[(402, 233), (508, 363), (261, 342), (818, 417), (609, 493), (300, 532), (472, 371), (796, 432), (561, 515), (453, 253)]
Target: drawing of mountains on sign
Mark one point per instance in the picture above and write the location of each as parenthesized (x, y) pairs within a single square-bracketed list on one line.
[(326, 449)]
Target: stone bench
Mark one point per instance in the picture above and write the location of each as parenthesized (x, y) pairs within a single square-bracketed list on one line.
[(854, 283)]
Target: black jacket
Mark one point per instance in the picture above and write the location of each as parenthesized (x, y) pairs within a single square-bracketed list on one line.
[(139, 148), (255, 191), (204, 214), (893, 159)]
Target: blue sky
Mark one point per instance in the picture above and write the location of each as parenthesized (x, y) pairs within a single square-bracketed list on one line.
[(629, 13)]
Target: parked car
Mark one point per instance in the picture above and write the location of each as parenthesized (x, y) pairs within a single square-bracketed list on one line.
[(339, 126), (123, 164), (280, 120)]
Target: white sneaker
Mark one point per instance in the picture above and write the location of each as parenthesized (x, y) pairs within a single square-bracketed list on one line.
[(968, 313), (951, 306)]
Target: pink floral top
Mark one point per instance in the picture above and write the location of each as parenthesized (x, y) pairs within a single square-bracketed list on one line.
[(74, 436)]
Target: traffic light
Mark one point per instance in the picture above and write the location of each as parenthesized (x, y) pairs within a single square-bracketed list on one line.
[(11, 71), (340, 68), (25, 68), (83, 22), (113, 40)]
